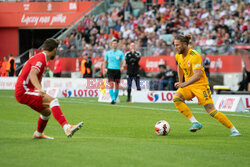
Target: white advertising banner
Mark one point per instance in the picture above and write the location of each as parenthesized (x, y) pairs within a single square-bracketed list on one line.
[(230, 104), (7, 83), (66, 92), (156, 97), (245, 99)]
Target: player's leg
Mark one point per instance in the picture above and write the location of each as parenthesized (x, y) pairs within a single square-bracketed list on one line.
[(222, 118), (137, 82), (170, 82), (129, 82), (33, 100), (41, 125), (162, 84), (111, 91), (111, 85), (53, 104), (116, 93), (184, 109), (117, 77)]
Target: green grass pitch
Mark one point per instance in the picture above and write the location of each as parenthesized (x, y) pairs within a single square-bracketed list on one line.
[(120, 135)]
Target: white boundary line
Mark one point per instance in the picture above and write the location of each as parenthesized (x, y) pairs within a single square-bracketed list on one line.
[(146, 108)]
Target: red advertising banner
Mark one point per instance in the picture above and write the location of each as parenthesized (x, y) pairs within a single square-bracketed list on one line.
[(219, 64), (42, 14)]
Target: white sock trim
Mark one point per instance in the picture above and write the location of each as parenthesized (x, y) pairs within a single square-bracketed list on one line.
[(54, 103), (44, 117), (233, 129), (192, 119), (65, 127), (38, 134)]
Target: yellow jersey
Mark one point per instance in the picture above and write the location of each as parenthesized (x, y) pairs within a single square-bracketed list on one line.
[(189, 63)]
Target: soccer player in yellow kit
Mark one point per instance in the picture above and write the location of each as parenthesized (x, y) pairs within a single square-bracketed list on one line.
[(195, 84)]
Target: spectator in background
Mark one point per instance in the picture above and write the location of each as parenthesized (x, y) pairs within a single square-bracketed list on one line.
[(4, 66), (61, 48), (206, 64), (72, 51), (67, 41), (57, 67), (11, 66), (48, 72), (246, 66), (72, 40), (86, 66), (166, 77), (243, 85)]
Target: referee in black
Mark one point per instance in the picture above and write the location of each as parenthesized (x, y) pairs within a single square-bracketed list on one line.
[(132, 58)]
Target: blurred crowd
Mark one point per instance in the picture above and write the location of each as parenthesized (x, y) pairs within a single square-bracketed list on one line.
[(213, 31)]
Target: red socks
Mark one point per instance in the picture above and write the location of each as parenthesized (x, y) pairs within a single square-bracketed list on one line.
[(57, 113), (41, 124)]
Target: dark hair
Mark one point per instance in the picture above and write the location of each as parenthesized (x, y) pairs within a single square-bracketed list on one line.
[(114, 40), (184, 38), (50, 44)]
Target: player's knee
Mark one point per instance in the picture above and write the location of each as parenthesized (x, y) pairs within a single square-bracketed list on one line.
[(54, 103), (177, 100), (45, 114)]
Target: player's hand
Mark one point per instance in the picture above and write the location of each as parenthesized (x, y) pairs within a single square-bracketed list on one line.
[(180, 85), (122, 68), (41, 92)]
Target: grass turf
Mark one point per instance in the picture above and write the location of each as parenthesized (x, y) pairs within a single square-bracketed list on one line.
[(120, 135)]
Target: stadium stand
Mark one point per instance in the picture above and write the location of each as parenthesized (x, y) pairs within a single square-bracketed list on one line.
[(217, 27)]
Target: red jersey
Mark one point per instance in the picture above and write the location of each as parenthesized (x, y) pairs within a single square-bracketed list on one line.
[(23, 83)]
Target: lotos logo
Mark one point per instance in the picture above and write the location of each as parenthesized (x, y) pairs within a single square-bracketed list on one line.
[(67, 93), (153, 97)]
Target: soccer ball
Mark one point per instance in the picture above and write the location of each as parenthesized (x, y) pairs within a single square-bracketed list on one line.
[(162, 128)]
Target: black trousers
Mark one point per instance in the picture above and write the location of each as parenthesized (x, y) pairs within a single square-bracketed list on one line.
[(137, 82)]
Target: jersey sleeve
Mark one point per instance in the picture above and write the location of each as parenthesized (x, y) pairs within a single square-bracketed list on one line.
[(122, 56), (196, 62), (38, 64)]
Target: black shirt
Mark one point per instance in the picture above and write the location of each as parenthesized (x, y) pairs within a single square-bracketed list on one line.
[(132, 61)]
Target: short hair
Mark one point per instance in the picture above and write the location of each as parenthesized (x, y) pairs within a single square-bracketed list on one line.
[(184, 38), (114, 40), (50, 44)]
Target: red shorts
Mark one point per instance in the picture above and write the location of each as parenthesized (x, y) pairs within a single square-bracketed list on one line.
[(31, 98)]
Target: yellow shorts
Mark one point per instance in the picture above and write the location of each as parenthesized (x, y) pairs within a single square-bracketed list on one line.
[(202, 92)]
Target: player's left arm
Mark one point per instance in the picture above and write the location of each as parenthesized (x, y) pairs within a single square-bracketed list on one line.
[(123, 65), (123, 62)]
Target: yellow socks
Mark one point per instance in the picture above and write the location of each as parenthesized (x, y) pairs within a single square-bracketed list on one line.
[(222, 118), (182, 107)]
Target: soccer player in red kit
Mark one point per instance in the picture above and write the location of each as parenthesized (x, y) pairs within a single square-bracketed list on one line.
[(28, 90)]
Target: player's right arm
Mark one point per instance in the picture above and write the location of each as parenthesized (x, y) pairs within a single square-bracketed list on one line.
[(35, 81), (105, 67), (180, 73)]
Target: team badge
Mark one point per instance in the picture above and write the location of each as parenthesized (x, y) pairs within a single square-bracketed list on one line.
[(117, 57), (188, 63)]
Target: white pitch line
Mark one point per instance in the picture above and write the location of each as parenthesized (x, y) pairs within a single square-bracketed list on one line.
[(147, 108)]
